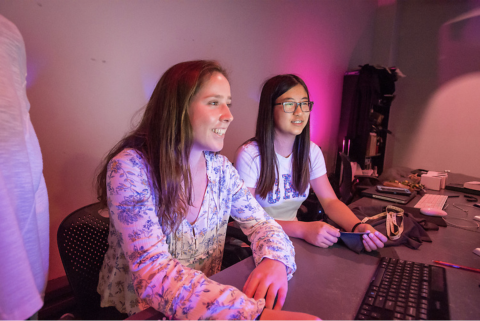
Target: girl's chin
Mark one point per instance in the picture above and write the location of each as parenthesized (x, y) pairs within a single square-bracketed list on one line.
[(215, 149)]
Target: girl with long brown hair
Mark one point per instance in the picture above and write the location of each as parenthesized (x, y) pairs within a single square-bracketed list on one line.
[(280, 164), (170, 195)]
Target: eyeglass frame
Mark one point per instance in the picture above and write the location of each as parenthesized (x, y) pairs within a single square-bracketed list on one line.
[(297, 104)]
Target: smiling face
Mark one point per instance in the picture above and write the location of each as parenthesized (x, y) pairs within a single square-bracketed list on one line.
[(210, 115), (289, 125)]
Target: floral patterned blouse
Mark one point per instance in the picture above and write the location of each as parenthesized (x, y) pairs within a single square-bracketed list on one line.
[(143, 267)]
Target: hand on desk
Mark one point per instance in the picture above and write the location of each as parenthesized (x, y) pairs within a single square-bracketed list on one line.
[(269, 314), (320, 234), (373, 240), (268, 280)]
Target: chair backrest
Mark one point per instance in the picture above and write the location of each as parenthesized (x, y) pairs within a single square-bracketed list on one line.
[(345, 187), (82, 240)]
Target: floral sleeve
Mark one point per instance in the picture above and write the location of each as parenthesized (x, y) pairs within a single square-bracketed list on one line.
[(267, 236), (158, 278)]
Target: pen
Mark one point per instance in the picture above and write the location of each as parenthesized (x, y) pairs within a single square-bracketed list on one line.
[(457, 266)]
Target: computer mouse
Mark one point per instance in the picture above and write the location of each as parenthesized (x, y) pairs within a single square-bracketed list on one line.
[(430, 211)]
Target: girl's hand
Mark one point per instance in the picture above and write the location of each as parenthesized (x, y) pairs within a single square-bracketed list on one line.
[(268, 280), (372, 241), (320, 234), (286, 315)]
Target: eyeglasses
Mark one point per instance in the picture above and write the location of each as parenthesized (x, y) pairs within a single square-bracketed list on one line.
[(291, 106)]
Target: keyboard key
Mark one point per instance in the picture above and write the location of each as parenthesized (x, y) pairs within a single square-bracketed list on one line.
[(380, 301), (400, 309), (365, 312), (375, 315), (398, 316), (411, 311), (390, 305), (378, 277)]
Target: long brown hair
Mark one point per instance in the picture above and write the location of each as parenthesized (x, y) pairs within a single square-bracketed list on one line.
[(164, 139), (265, 137)]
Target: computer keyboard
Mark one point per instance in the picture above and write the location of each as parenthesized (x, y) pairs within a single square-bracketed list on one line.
[(432, 201), (406, 290)]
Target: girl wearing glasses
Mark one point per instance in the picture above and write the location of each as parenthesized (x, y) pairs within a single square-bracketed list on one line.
[(169, 196), (280, 164)]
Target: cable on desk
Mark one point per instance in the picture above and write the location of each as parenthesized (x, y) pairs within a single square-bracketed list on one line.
[(455, 205), (463, 227)]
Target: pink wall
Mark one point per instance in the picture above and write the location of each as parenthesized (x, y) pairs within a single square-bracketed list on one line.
[(92, 64)]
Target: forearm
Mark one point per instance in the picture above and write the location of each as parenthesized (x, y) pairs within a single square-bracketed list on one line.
[(270, 241), (267, 237), (293, 228), (184, 293), (341, 214)]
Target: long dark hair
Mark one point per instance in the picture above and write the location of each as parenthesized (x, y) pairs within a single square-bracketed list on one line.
[(265, 137), (164, 139)]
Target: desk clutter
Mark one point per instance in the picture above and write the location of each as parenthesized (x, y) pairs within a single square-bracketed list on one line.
[(405, 290), (413, 227)]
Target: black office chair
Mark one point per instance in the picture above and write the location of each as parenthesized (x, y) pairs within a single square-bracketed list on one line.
[(232, 251), (311, 209), (82, 240), (349, 189)]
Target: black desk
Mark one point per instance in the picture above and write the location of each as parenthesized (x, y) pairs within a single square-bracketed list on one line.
[(331, 283)]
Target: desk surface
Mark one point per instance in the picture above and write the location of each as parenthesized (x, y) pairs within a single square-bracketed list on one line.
[(331, 283)]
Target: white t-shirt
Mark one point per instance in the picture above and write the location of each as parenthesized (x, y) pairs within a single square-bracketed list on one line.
[(283, 202)]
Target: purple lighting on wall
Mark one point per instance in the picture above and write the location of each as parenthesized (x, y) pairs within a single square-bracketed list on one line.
[(33, 70), (149, 82), (323, 111)]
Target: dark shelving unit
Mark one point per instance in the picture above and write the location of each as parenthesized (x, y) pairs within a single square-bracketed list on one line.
[(366, 101)]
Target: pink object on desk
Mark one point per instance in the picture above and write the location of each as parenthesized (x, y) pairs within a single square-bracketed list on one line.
[(457, 266)]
